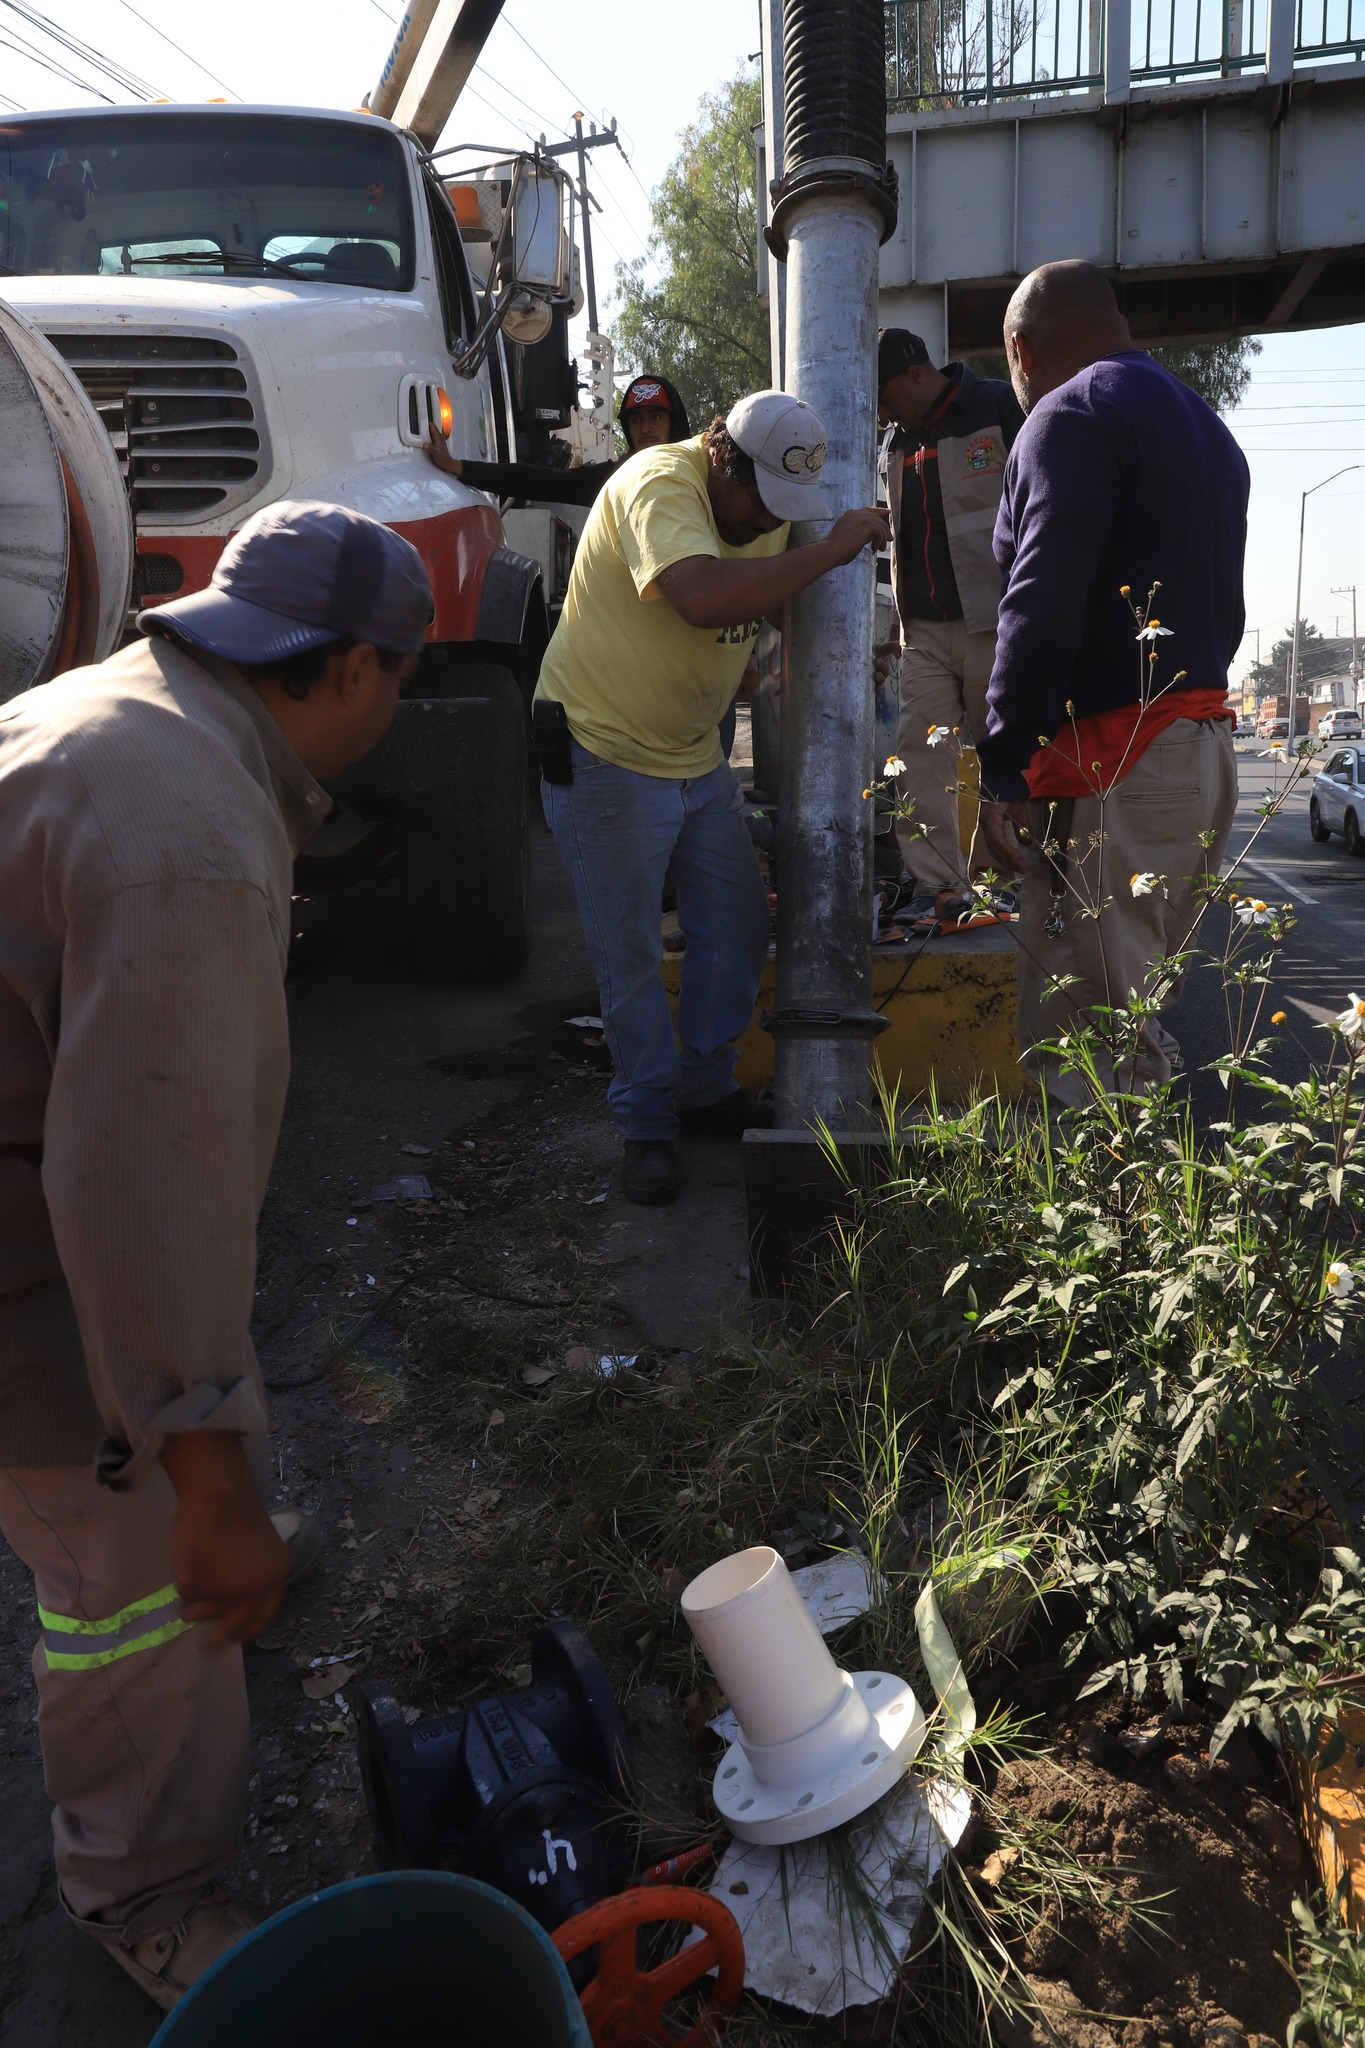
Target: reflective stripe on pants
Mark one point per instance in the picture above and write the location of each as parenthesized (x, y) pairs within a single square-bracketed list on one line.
[(72, 1645), (144, 1737)]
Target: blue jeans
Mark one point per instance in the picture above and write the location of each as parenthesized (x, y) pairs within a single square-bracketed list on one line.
[(616, 833)]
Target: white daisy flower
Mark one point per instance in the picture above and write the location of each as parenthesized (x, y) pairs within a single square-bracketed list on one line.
[(1339, 1280), (939, 735), (1154, 630), (1351, 1023), (895, 766), (1252, 910), (1145, 884)]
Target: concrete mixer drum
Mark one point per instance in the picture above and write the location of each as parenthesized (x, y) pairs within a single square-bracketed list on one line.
[(66, 527)]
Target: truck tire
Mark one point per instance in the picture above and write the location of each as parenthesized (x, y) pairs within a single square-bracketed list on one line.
[(462, 834)]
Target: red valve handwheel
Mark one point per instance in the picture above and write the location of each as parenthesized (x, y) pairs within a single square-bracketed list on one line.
[(624, 2004)]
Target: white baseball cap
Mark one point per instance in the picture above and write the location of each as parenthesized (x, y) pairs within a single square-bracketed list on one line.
[(787, 444)]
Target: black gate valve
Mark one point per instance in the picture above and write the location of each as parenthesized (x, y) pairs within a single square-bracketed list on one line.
[(530, 1791)]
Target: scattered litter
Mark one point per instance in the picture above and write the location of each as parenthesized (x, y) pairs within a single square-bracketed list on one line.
[(369, 1279), (340, 1702), (408, 1187), (468, 1145), (352, 1221), (536, 1375), (585, 1024), (802, 1943), (416, 1151), (837, 1589), (1142, 1742), (591, 1201), (612, 1362)]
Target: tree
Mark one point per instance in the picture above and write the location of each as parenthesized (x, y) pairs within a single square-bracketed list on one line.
[(1218, 370), (1317, 657), (702, 324)]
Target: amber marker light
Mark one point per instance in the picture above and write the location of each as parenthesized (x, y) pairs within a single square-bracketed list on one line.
[(445, 412)]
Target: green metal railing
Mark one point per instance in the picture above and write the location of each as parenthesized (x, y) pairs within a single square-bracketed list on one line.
[(966, 52)]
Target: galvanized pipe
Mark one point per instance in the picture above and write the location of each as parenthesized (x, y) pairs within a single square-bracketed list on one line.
[(823, 1022)]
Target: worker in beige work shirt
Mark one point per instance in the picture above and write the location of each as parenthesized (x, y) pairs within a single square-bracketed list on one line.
[(150, 810)]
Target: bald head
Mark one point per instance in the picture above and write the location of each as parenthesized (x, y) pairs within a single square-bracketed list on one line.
[(1062, 318)]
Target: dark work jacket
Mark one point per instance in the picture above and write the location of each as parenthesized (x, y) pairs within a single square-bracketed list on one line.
[(543, 485), (943, 488), (1121, 476), (538, 481)]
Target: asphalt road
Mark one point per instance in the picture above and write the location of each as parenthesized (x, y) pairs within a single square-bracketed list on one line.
[(1319, 963)]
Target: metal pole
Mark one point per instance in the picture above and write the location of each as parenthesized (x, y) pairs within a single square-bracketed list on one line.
[(1294, 656), (1298, 587), (823, 1021)]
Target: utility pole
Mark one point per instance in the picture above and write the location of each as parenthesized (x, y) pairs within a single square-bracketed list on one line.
[(599, 349), (1340, 590)]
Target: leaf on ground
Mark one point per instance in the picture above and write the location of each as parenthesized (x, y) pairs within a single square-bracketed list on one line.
[(320, 1685)]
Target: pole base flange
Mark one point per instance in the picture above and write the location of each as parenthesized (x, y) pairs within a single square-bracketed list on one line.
[(758, 1812)]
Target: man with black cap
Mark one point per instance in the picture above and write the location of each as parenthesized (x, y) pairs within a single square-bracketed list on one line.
[(150, 810), (683, 555), (943, 467)]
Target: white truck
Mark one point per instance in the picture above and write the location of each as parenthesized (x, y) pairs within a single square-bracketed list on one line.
[(265, 303)]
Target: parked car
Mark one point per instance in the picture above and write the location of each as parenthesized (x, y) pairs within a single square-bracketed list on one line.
[(1273, 729), (1337, 803), (1341, 725), (1244, 730)]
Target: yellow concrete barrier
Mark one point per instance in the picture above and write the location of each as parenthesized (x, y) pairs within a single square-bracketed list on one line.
[(950, 1010), (1332, 1814)]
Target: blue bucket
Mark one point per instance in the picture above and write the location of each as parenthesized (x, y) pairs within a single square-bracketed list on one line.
[(407, 1959)]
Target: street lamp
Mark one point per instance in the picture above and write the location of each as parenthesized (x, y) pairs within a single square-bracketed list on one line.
[(1298, 592)]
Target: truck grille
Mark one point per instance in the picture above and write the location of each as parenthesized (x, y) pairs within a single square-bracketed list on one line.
[(183, 413)]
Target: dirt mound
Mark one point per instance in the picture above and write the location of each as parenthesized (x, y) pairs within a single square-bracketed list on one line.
[(1210, 1846)]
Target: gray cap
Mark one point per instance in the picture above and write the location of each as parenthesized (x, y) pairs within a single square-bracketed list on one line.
[(298, 575)]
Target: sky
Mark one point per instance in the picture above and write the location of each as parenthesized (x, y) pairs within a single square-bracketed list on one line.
[(1303, 415)]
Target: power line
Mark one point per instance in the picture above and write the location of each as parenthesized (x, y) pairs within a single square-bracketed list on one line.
[(488, 79), (541, 60), (57, 70), (85, 52), (176, 46)]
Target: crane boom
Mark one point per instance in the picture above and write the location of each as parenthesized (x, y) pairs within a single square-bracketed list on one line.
[(437, 46)]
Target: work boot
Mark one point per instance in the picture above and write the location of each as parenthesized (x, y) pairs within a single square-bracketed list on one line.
[(729, 1118), (169, 1961), (649, 1173)]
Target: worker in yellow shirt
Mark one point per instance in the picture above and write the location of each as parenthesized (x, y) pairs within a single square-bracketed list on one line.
[(683, 555)]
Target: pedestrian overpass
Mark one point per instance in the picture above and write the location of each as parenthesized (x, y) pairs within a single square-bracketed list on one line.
[(1209, 157)]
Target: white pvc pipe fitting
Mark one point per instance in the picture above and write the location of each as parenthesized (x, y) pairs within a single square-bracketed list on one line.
[(816, 1745)]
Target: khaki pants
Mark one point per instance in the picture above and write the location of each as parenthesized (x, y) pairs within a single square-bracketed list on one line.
[(144, 1738), (945, 672), (1184, 785)]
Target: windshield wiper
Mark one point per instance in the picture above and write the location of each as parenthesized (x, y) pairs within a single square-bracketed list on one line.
[(231, 259)]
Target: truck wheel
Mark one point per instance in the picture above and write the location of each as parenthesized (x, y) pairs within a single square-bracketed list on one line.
[(463, 836)]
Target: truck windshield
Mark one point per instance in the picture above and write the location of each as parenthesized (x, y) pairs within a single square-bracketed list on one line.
[(204, 194)]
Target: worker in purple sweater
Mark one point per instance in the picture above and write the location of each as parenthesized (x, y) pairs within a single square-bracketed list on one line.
[(1107, 768)]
